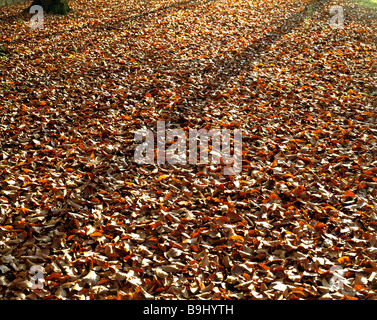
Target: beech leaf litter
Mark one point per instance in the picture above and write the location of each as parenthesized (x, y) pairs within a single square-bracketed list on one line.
[(298, 222)]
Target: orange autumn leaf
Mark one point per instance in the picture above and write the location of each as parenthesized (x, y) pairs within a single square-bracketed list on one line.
[(358, 287), (77, 223), (253, 233), (194, 234), (71, 237), (344, 259), (349, 193), (300, 292), (156, 224), (102, 281), (274, 196), (53, 275), (237, 238), (298, 190), (24, 210), (96, 234), (194, 248), (161, 177)]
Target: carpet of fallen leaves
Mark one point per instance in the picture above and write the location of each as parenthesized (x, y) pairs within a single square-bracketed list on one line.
[(74, 201)]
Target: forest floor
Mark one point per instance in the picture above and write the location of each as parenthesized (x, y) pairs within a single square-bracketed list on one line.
[(298, 221)]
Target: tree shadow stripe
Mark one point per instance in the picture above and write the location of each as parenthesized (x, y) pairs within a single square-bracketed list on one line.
[(227, 68)]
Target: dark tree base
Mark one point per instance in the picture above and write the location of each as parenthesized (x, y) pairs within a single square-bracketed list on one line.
[(52, 6)]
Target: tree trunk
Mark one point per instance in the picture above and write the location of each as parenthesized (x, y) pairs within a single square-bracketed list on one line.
[(52, 6)]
